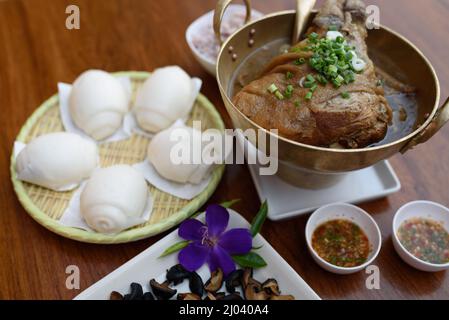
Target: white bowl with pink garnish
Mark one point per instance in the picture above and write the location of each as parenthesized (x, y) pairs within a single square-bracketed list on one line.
[(201, 38), (421, 235)]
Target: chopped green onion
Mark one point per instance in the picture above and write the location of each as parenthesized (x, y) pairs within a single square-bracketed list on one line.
[(345, 95), (272, 88), (313, 37), (289, 75), (339, 78), (340, 40), (279, 95), (322, 80), (314, 87), (338, 81), (289, 91), (332, 69), (332, 59), (300, 61), (310, 78), (308, 84), (297, 104), (309, 95)]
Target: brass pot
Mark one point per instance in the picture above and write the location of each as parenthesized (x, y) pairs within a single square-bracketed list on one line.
[(387, 48)]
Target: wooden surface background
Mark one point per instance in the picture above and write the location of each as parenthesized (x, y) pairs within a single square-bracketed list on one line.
[(37, 51)]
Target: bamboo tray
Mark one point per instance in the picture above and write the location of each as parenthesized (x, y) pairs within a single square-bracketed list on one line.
[(47, 206)]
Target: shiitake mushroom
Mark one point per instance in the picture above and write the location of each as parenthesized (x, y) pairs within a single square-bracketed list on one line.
[(234, 280), (196, 284), (177, 274), (210, 297), (247, 275), (215, 296), (271, 287), (255, 283), (215, 282), (252, 289), (254, 292), (115, 296), (285, 297), (161, 290), (188, 296)]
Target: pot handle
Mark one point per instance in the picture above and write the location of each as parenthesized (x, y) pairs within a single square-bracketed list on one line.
[(220, 9), (438, 121)]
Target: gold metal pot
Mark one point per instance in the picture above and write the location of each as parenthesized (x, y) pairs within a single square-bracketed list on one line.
[(395, 53)]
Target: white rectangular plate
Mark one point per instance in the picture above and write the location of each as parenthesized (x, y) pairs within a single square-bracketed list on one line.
[(147, 265), (287, 201)]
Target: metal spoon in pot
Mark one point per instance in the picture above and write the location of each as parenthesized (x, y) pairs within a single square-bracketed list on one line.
[(303, 10)]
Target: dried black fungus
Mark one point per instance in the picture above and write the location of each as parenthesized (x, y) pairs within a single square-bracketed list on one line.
[(232, 297), (220, 295), (196, 285), (161, 290), (136, 292), (147, 296), (233, 280), (177, 274)]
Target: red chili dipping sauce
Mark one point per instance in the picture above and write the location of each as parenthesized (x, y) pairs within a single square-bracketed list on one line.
[(341, 243)]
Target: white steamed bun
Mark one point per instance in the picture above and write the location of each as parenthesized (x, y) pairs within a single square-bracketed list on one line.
[(166, 96), (98, 103), (57, 161), (160, 149), (114, 199)]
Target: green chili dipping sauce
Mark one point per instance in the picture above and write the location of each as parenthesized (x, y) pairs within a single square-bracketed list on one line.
[(426, 239), (341, 243)]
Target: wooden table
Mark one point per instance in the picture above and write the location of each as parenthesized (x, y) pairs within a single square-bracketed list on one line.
[(37, 51)]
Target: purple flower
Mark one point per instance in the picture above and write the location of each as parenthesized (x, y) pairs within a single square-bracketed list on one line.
[(211, 244)]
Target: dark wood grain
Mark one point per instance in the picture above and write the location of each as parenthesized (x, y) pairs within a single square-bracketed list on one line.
[(37, 51)]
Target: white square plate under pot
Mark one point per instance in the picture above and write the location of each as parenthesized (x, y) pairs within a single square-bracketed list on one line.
[(147, 265), (287, 201)]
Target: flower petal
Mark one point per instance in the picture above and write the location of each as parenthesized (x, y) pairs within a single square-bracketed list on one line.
[(236, 241), (191, 229), (219, 258), (193, 256), (217, 219)]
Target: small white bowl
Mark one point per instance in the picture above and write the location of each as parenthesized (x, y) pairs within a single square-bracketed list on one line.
[(419, 209), (206, 62), (347, 212)]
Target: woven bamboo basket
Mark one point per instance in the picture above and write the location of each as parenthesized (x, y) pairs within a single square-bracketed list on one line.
[(47, 206)]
